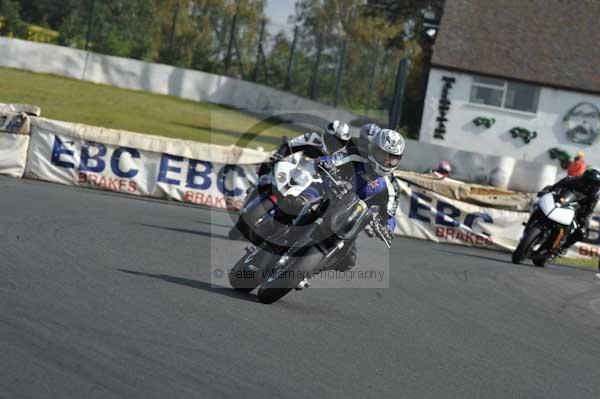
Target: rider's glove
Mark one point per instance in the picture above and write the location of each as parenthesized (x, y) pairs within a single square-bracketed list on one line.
[(370, 231), (325, 164), (544, 191), (329, 167), (375, 227), (387, 233), (276, 157)]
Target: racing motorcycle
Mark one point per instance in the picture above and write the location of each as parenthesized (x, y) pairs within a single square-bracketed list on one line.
[(289, 177), (316, 239), (551, 222)]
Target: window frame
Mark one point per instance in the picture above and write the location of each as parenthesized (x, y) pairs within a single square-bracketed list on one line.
[(504, 88)]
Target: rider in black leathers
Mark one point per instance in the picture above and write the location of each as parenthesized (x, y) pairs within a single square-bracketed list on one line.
[(588, 187), (334, 137)]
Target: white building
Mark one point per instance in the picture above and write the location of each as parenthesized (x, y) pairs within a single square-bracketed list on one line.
[(516, 78)]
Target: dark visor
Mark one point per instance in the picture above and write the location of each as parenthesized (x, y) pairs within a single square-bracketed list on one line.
[(385, 158)]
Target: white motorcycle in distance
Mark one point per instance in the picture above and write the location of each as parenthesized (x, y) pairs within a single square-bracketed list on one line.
[(288, 178), (551, 222)]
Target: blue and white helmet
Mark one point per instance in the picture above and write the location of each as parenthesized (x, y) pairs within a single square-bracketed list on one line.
[(385, 151)]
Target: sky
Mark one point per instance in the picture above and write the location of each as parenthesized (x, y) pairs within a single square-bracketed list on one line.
[(279, 10)]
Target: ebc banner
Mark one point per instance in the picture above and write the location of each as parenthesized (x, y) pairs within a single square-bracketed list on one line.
[(66, 160), (427, 215)]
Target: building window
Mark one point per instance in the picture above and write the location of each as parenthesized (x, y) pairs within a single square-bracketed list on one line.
[(501, 93)]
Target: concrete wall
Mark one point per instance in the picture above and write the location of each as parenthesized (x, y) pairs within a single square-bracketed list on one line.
[(463, 134), (158, 78)]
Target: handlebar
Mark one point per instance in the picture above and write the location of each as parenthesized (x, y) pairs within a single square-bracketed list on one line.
[(338, 187)]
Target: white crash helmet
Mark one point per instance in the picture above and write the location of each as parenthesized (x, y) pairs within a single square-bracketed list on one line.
[(385, 151), (338, 129)]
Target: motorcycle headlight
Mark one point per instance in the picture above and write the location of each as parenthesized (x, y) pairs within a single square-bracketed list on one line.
[(281, 177)]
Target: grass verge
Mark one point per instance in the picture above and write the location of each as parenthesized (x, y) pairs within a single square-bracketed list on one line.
[(73, 100), (590, 264)]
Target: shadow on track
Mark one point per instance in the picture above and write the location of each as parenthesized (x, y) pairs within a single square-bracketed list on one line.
[(202, 285), (187, 231)]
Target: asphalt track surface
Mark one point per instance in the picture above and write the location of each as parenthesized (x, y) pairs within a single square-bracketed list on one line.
[(108, 296)]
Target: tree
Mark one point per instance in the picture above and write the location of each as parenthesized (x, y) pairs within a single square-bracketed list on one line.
[(119, 27), (12, 24), (195, 33), (47, 13), (413, 14), (347, 28)]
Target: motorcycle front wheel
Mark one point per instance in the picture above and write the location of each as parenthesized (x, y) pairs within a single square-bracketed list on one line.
[(529, 239), (246, 274), (279, 282), (539, 261)]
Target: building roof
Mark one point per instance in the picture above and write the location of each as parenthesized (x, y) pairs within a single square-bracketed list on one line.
[(549, 42)]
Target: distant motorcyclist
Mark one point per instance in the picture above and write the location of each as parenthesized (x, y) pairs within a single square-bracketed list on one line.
[(578, 166), (587, 186)]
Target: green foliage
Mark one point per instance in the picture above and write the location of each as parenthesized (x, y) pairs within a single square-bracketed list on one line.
[(12, 24), (122, 28), (47, 13), (411, 14), (196, 34)]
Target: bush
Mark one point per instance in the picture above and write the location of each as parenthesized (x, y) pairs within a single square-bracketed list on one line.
[(11, 23)]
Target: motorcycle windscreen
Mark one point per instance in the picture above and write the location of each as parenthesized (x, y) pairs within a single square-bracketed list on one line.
[(562, 215), (546, 203)]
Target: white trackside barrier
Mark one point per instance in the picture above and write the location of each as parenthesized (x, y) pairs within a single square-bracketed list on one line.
[(14, 140)]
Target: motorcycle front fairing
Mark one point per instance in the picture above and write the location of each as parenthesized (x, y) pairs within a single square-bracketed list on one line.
[(555, 214), (558, 209)]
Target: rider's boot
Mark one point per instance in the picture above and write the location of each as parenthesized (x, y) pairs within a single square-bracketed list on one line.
[(303, 284)]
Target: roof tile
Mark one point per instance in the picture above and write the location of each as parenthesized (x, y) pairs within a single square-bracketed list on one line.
[(550, 42)]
